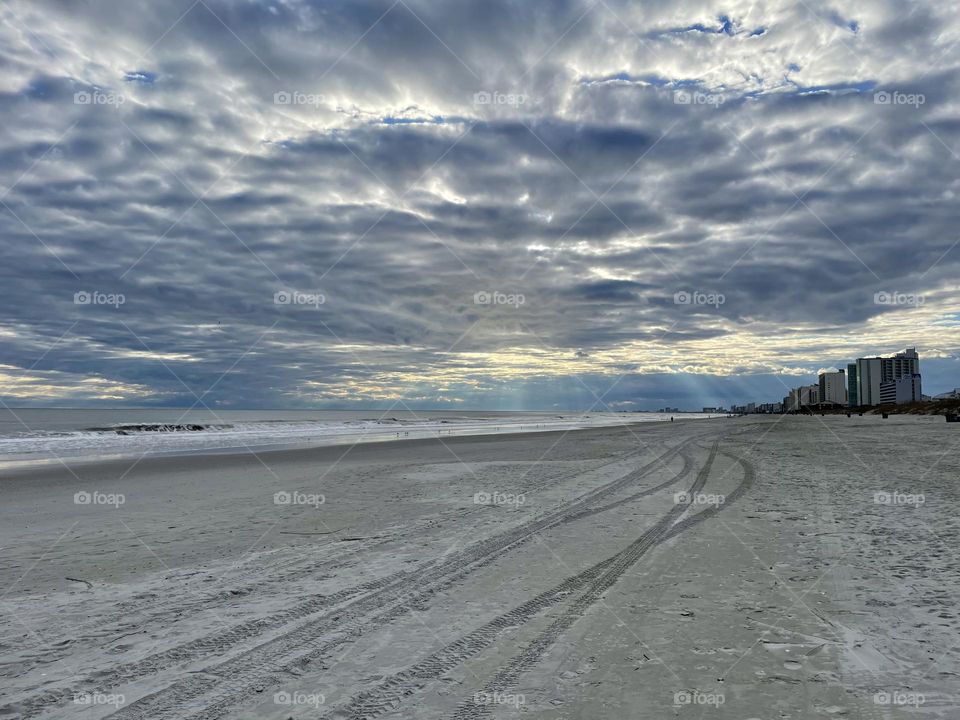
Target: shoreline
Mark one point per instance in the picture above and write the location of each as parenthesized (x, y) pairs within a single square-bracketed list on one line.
[(10, 465)]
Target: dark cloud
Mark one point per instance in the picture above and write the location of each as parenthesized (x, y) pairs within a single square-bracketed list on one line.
[(471, 202)]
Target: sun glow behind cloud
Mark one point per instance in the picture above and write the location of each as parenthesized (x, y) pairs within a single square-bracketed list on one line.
[(598, 167)]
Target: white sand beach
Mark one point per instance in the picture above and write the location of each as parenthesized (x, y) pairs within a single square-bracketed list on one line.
[(543, 575)]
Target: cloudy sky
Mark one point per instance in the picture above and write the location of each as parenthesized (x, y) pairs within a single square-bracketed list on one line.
[(472, 204)]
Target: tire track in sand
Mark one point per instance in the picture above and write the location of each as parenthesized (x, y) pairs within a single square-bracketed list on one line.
[(227, 683), (376, 594), (508, 676), (387, 696)]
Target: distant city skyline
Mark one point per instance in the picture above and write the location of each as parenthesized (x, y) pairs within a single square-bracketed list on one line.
[(871, 381)]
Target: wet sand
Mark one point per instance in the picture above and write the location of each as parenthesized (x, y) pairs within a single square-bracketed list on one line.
[(552, 575)]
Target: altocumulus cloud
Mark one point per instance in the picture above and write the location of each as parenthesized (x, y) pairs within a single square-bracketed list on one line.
[(492, 204)]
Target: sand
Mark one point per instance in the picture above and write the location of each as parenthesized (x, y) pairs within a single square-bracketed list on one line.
[(548, 575)]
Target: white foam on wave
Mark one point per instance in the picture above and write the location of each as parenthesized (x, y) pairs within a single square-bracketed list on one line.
[(162, 438)]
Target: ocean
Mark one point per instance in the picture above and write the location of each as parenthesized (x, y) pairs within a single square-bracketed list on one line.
[(53, 434)]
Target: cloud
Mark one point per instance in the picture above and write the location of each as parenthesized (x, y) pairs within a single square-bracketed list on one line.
[(398, 159)]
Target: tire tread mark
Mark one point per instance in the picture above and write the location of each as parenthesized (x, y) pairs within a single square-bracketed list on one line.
[(508, 676), (374, 702), (270, 662)]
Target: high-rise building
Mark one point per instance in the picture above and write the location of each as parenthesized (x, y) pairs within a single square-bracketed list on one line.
[(804, 396), (871, 372), (833, 387), (900, 391), (901, 365), (852, 398), (869, 377)]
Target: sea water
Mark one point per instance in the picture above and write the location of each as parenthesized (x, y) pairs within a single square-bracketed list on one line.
[(53, 434)]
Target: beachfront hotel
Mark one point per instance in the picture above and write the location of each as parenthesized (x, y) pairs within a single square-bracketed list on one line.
[(867, 375), (833, 388), (900, 391)]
